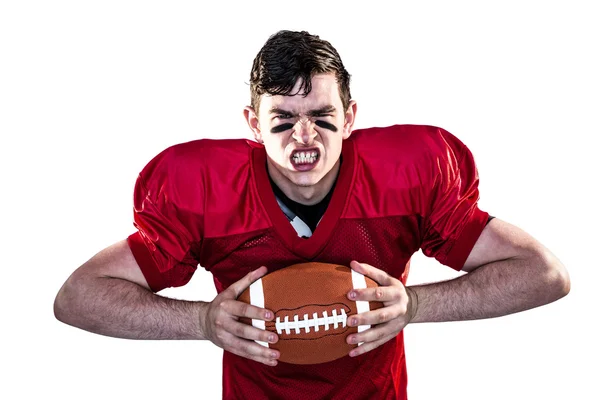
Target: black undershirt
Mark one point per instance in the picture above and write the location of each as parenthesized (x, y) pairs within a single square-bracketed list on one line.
[(311, 215)]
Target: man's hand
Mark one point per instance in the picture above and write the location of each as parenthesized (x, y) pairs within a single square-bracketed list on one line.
[(221, 325), (399, 306)]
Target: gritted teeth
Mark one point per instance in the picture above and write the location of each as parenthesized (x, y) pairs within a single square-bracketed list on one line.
[(305, 157)]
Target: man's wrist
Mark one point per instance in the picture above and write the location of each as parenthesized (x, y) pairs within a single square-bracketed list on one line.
[(413, 303), (201, 317)]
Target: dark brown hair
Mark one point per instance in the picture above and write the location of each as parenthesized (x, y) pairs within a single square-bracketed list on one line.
[(288, 56)]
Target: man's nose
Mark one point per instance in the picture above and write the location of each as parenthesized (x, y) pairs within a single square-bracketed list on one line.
[(304, 131)]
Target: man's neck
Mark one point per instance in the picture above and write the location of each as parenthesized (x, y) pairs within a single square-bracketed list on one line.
[(307, 195)]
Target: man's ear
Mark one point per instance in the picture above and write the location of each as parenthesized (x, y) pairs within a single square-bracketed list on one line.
[(252, 120), (349, 118)]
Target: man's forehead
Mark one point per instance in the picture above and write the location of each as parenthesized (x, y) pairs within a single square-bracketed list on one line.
[(299, 104), (324, 92)]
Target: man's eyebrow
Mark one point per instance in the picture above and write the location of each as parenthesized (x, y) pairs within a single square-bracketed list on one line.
[(276, 110), (323, 110), (312, 113)]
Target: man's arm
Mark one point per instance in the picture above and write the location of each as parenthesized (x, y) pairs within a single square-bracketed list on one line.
[(110, 296), (508, 271)]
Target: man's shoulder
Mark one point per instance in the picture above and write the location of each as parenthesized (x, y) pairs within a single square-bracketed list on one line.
[(210, 152), (402, 136), (202, 150), (407, 142), (195, 159)]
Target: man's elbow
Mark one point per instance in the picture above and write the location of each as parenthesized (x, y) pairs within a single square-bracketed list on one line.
[(59, 307), (562, 281), (66, 301), (556, 276)]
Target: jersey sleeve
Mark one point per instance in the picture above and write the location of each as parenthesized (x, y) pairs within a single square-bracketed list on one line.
[(166, 243), (453, 221)]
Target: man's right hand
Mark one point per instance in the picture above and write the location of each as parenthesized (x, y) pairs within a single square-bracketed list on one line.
[(221, 325)]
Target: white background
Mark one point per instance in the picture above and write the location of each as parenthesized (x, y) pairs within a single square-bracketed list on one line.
[(91, 91)]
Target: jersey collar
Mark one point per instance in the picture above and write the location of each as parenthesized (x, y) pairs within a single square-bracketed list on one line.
[(311, 247)]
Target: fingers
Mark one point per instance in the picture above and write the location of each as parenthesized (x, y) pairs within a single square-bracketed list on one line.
[(390, 291), (375, 336), (229, 333), (227, 303), (384, 294), (249, 349), (376, 274), (368, 346), (379, 316), (239, 338), (386, 322), (244, 310), (238, 287), (244, 331)]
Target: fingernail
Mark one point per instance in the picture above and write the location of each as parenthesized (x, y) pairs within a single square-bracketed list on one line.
[(268, 315), (352, 353), (353, 321), (271, 338), (273, 355), (353, 295)]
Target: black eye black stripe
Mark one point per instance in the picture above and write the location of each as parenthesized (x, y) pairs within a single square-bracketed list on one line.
[(281, 128), (326, 125), (285, 127)]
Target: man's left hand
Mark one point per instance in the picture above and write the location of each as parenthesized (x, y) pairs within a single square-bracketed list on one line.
[(399, 307)]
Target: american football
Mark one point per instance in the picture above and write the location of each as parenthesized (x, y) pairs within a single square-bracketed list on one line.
[(311, 310)]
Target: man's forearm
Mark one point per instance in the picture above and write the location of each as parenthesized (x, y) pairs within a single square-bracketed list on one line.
[(119, 308), (492, 290)]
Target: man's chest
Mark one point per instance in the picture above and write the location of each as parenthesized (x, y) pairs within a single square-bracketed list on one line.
[(386, 243)]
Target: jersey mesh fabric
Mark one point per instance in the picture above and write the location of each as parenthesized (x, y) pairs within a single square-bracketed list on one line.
[(365, 240), (240, 254)]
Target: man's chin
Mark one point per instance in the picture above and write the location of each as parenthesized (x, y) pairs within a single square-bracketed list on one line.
[(305, 179), (305, 182)]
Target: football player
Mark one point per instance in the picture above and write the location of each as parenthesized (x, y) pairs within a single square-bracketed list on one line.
[(309, 188)]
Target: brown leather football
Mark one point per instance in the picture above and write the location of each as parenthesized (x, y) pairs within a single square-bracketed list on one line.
[(311, 310)]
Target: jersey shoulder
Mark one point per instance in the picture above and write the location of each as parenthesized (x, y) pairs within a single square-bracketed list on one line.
[(399, 164), (405, 144), (181, 173), (188, 162), (191, 156)]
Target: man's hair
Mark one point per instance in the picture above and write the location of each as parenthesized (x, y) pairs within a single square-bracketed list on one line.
[(288, 56)]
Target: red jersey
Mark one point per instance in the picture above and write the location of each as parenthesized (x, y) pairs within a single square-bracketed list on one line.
[(399, 189)]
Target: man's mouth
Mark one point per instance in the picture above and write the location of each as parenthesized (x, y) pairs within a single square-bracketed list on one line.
[(305, 157), (304, 160)]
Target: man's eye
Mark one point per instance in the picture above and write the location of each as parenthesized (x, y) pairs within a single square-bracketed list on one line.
[(281, 128), (283, 116), (326, 125)]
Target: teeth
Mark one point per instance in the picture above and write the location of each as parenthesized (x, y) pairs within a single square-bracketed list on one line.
[(304, 157)]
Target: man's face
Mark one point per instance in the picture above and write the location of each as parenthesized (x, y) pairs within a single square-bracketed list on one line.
[(303, 135)]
